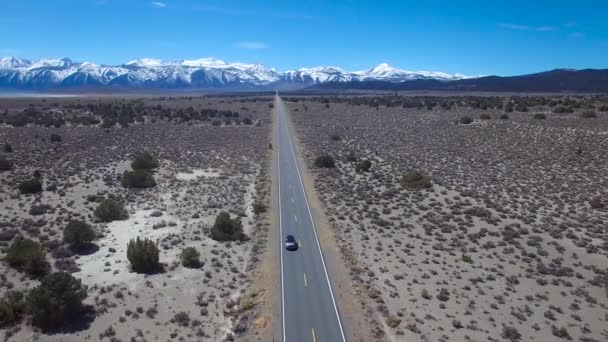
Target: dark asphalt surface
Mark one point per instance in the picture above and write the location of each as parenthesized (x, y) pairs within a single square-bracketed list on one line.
[(308, 307)]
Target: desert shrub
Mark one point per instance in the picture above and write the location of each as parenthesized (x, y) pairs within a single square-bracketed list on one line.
[(510, 333), (596, 203), (8, 148), (55, 137), (467, 259), (465, 120), (190, 257), (335, 137), (31, 186), (226, 228), (521, 107), (504, 117), (363, 166), (589, 114), (485, 116), (138, 179), (27, 256), (144, 161), (5, 164), (351, 157), (416, 180), (11, 308), (603, 108), (247, 121), (108, 122), (56, 300), (562, 110), (78, 233), (182, 318), (509, 107), (111, 210), (259, 208), (325, 161), (143, 255), (539, 116)]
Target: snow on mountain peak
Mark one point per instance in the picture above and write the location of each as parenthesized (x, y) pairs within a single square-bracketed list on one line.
[(146, 63), (203, 72), (13, 63)]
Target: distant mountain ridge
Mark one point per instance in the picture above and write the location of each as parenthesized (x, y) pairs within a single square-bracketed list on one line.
[(199, 73), (558, 80)]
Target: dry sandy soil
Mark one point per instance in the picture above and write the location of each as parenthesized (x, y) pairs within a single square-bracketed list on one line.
[(206, 165), (505, 245)]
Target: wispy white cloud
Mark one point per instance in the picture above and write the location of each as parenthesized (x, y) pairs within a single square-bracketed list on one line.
[(251, 45), (159, 4), (519, 27), (254, 12)]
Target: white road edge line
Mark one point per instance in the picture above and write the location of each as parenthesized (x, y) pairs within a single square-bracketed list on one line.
[(280, 223), (314, 228)]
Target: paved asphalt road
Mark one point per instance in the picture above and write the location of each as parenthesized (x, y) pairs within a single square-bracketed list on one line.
[(308, 307)]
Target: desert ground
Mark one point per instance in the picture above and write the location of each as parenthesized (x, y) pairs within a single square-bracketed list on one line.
[(502, 235), (213, 155)]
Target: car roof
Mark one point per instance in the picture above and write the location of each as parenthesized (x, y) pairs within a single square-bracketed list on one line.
[(290, 237)]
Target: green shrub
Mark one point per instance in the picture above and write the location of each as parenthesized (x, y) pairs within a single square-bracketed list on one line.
[(363, 166), (11, 308), (415, 180), (138, 179), (55, 137), (32, 186), (539, 116), (5, 164), (111, 210), (56, 300), (143, 255), (467, 259), (78, 233), (485, 116), (190, 257), (259, 208), (325, 161), (27, 256), (589, 114), (465, 120), (226, 228), (144, 161)]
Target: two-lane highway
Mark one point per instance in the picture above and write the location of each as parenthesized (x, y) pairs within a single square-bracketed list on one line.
[(308, 307)]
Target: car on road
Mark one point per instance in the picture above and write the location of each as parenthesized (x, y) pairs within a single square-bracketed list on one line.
[(290, 243)]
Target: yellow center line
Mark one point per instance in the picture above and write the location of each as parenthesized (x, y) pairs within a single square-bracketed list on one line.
[(305, 282), (314, 338)]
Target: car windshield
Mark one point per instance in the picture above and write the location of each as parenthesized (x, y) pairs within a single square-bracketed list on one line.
[(290, 238)]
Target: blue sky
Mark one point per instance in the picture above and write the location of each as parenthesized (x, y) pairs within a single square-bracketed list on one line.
[(470, 37)]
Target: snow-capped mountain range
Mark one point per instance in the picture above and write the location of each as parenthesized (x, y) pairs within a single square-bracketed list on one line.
[(199, 73)]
